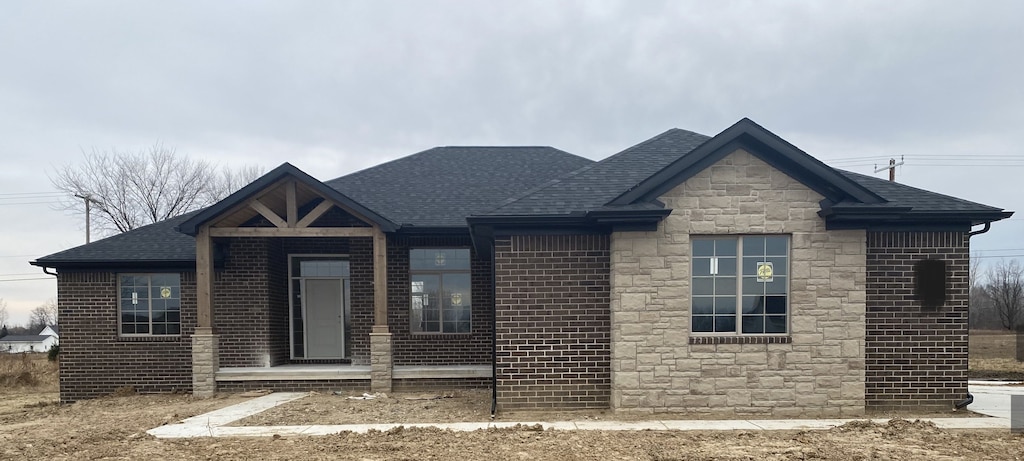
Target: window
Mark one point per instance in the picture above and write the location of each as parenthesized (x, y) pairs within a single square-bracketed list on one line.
[(440, 291), (740, 285), (150, 304)]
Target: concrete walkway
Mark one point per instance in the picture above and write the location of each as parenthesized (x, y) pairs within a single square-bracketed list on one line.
[(993, 397), (989, 398)]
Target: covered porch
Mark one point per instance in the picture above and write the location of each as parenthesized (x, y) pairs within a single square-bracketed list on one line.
[(270, 310)]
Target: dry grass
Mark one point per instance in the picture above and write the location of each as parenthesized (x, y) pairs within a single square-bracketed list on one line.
[(27, 370), (993, 355)]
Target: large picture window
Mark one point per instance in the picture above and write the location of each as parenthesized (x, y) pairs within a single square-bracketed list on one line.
[(150, 304), (440, 290), (740, 284)]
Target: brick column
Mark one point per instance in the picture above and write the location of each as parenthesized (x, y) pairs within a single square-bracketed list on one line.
[(205, 362), (380, 362)]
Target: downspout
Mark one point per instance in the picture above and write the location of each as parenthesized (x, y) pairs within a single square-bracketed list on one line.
[(494, 334), (45, 271), (970, 397), (988, 226)]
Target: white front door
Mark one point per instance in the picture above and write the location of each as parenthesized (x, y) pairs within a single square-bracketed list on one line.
[(323, 301)]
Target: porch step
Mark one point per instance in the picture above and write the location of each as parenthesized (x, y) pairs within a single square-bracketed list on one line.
[(295, 372)]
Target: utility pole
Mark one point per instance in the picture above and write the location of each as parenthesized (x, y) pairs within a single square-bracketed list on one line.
[(891, 167), (88, 213)]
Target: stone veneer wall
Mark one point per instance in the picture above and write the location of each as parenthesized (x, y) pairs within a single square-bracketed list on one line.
[(916, 355), (816, 370), (552, 321), (95, 360)]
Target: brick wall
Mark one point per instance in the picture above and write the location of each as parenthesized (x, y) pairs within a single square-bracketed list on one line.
[(408, 348), (241, 296), (817, 369), (552, 295), (95, 360), (916, 356)]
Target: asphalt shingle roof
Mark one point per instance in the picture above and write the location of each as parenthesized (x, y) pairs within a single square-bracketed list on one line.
[(440, 187), (902, 195), (23, 338), (594, 186), (155, 242)]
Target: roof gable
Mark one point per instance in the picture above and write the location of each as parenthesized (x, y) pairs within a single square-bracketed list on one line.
[(285, 171), (761, 143)]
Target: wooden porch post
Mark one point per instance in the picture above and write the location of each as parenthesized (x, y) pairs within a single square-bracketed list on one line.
[(204, 281), (380, 282), (380, 336), (205, 360)]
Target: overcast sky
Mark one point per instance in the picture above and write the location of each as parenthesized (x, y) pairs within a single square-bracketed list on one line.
[(334, 87)]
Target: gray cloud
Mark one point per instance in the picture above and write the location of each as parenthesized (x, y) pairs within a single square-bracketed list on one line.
[(338, 86)]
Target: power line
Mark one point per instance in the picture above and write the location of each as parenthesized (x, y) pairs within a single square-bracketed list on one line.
[(26, 279), (31, 193)]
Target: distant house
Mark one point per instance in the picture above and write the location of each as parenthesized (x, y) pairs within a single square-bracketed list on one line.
[(731, 275), (41, 342)]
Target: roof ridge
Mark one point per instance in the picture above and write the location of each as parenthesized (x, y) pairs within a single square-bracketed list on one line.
[(584, 169), (416, 155), (539, 187)]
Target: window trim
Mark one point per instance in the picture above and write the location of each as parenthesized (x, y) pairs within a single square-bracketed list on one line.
[(738, 333), (150, 335), (440, 274)]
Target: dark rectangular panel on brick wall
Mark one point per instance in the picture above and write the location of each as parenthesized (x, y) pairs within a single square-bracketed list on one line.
[(916, 356), (96, 361), (553, 321), (410, 348)]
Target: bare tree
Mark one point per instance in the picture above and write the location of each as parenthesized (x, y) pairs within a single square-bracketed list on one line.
[(1006, 286), (137, 188), (43, 315)]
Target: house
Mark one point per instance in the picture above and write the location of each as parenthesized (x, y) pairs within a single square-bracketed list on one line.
[(41, 342), (729, 275)]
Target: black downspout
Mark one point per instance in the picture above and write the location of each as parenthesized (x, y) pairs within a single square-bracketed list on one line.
[(970, 398), (494, 334), (988, 226)]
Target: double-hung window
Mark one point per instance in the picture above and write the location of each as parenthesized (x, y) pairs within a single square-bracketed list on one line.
[(740, 284), (150, 304), (441, 289)]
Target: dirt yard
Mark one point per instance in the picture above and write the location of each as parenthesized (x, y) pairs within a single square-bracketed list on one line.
[(993, 356), (34, 426)]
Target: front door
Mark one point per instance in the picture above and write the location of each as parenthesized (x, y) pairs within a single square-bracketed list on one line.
[(319, 306), (323, 301)]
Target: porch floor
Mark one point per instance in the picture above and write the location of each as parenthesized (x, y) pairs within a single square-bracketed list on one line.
[(302, 372)]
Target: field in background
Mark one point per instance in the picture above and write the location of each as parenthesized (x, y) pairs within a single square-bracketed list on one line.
[(993, 355)]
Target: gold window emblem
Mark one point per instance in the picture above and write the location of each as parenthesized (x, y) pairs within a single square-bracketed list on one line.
[(765, 272)]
